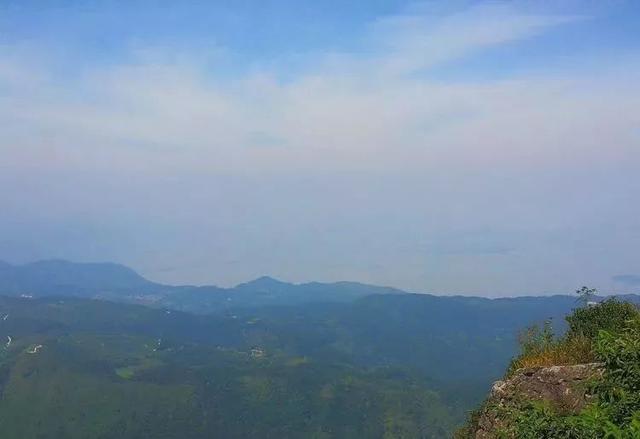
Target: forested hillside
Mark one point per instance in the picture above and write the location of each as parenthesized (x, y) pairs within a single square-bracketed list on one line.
[(74, 368)]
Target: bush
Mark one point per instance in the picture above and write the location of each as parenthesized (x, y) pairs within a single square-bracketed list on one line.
[(619, 391), (610, 315)]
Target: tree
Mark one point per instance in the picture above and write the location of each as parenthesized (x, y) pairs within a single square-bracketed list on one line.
[(586, 294)]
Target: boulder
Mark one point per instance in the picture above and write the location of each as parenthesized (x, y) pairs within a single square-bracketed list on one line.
[(563, 387)]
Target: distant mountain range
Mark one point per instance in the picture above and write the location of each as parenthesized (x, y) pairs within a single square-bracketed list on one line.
[(55, 276), (118, 282)]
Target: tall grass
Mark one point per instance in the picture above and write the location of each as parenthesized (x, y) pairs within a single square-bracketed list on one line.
[(540, 347), (566, 351)]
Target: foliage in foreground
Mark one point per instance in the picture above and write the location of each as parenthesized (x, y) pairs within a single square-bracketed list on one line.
[(540, 347), (615, 412), (609, 333), (610, 315)]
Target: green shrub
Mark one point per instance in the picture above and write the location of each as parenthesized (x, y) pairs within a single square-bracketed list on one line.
[(610, 315), (619, 391)]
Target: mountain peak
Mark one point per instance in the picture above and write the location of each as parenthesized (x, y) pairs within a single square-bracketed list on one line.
[(63, 274), (263, 282)]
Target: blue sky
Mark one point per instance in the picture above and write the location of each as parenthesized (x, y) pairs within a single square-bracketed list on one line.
[(454, 147), (255, 34)]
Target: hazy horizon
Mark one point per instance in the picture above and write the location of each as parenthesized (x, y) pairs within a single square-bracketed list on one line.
[(480, 294), (460, 147)]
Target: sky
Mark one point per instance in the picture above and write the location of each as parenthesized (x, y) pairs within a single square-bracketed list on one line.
[(452, 147)]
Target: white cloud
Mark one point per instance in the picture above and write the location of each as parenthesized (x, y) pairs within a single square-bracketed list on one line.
[(363, 104)]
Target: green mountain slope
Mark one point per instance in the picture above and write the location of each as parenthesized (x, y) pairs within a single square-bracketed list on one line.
[(90, 369), (402, 345)]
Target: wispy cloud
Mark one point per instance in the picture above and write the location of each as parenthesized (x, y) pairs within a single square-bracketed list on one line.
[(419, 40), (347, 104)]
